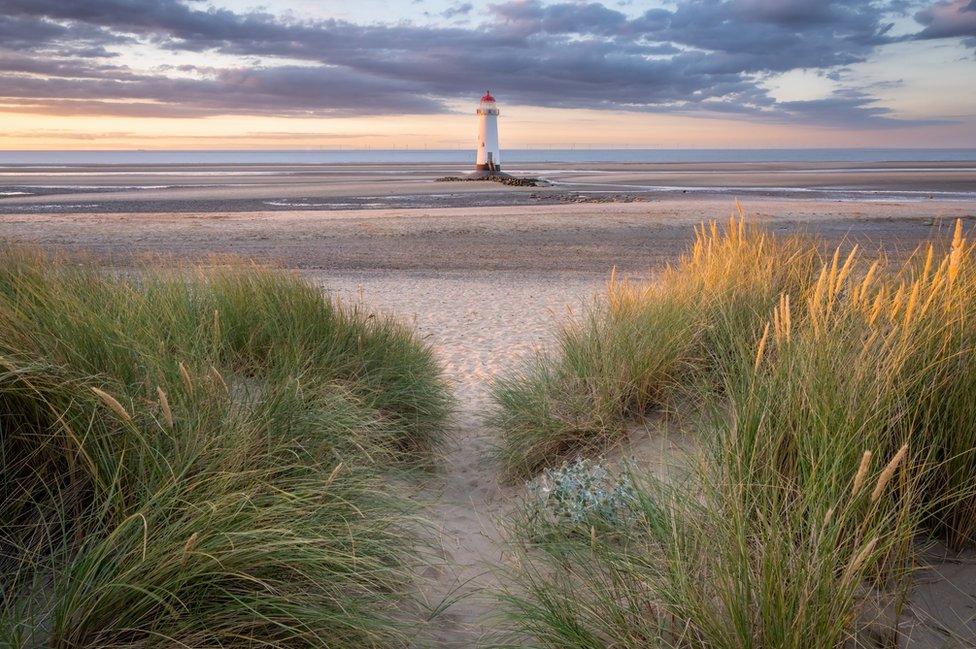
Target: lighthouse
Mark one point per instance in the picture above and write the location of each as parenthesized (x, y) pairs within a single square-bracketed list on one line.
[(489, 160)]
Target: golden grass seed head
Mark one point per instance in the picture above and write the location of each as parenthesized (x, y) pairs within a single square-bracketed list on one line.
[(219, 379), (862, 472), (888, 472), (860, 558), (112, 404), (164, 406), (189, 546), (185, 376), (761, 348)]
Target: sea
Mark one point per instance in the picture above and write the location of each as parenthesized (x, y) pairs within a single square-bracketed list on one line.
[(462, 156)]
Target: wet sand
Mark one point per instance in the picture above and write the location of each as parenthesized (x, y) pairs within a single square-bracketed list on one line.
[(255, 187), (578, 238)]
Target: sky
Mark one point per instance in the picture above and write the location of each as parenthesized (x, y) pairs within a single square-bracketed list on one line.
[(298, 74)]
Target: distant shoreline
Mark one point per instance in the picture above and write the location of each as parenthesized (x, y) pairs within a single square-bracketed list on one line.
[(463, 155)]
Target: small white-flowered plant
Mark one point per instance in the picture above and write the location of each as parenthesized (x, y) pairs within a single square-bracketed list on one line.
[(581, 491)]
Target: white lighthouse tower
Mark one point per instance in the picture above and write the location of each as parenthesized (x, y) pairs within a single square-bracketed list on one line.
[(489, 160)]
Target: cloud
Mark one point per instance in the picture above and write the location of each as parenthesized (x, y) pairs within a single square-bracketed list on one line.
[(699, 55), (529, 17), (948, 19), (283, 90), (29, 34), (850, 107), (274, 136), (457, 10), (768, 35)]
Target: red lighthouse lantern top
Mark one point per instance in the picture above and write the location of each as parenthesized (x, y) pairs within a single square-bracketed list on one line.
[(488, 96)]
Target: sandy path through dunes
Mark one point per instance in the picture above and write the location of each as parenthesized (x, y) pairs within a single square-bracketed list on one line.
[(480, 325)]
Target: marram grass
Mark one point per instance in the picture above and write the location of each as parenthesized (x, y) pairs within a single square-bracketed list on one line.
[(634, 348), (835, 436), (194, 458)]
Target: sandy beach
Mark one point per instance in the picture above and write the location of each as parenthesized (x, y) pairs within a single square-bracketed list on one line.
[(484, 271), (260, 187), (589, 238), (588, 218)]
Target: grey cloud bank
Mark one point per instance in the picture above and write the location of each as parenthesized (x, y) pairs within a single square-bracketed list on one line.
[(58, 56)]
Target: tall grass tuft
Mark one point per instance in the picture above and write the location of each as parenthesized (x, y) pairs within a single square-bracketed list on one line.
[(631, 351), (196, 458), (835, 436)]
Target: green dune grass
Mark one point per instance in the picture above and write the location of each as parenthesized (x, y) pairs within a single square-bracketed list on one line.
[(198, 457), (632, 350), (835, 436)]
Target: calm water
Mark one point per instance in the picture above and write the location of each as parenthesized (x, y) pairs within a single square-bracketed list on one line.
[(465, 156)]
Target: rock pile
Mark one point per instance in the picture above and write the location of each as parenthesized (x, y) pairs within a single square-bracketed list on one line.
[(505, 179)]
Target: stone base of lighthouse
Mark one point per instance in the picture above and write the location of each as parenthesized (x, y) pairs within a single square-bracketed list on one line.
[(483, 172)]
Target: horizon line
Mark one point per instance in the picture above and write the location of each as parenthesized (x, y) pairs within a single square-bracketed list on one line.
[(513, 148)]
